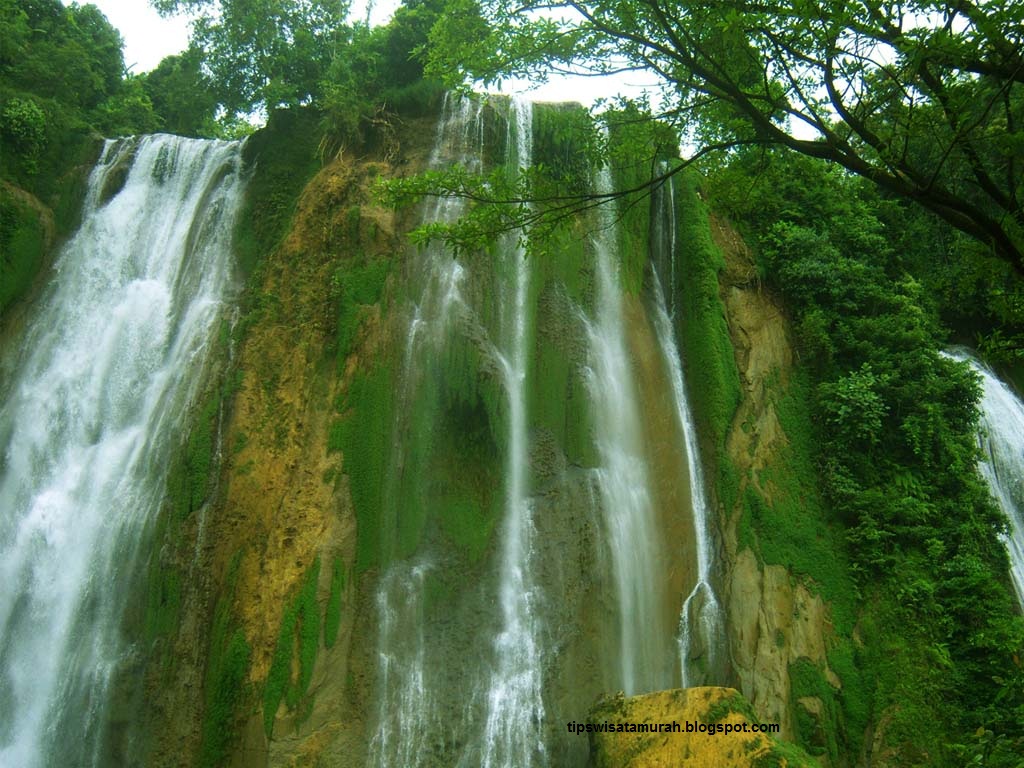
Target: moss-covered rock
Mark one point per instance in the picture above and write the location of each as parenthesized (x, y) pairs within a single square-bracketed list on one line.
[(716, 729), (26, 233)]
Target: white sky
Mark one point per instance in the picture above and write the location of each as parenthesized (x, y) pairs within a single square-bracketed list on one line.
[(148, 38)]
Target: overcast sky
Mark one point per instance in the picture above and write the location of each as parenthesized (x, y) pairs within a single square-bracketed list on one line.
[(147, 36)]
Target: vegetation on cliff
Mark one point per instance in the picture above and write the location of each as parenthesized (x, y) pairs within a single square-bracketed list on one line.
[(893, 441)]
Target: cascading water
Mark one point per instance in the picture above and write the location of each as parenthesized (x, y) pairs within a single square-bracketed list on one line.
[(408, 718), (701, 629), (97, 390), (407, 732), (512, 737), (701, 610), (502, 717), (554, 468), (622, 478), (1002, 441)]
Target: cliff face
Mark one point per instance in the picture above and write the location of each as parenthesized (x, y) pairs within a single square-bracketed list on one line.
[(261, 597), (257, 580), (778, 619)]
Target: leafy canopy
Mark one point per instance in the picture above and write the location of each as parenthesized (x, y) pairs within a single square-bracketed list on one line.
[(264, 53), (924, 98)]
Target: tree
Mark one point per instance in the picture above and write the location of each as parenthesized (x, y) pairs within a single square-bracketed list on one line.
[(925, 98), (72, 55), (264, 53), (182, 95)]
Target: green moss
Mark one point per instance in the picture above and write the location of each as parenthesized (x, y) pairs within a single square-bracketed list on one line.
[(782, 754), (562, 280), (362, 434), (711, 374), (191, 471), (824, 737), (855, 694), (792, 526), (227, 668), (468, 525), (562, 137), (726, 706), (332, 615), (22, 247), (283, 158), (163, 604), (446, 488), (463, 478), (355, 286), (299, 636), (199, 452)]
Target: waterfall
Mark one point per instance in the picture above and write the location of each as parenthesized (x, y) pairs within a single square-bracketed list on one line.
[(701, 610), (93, 395), (408, 717), (1002, 465), (409, 727), (499, 718), (622, 478), (571, 581), (512, 736)]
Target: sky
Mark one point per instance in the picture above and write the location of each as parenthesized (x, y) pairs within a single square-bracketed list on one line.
[(149, 38)]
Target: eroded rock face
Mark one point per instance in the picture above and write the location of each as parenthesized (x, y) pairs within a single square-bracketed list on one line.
[(696, 708), (774, 621), (283, 501), (283, 488)]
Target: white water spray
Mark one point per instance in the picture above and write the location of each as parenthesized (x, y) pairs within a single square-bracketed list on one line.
[(512, 736), (407, 715), (701, 625), (408, 724), (700, 621)]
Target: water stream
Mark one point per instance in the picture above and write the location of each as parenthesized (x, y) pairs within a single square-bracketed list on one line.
[(632, 540), (515, 710), (701, 623), (483, 655), (409, 731), (92, 398), (1002, 442)]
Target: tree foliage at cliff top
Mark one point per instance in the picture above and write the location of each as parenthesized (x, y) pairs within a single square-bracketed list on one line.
[(265, 52), (924, 98)]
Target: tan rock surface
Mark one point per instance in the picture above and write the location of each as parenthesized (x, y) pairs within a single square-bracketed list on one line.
[(707, 706), (774, 620)]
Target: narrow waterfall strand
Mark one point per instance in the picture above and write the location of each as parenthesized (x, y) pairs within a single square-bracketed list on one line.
[(407, 718), (623, 475), (700, 621), (512, 737)]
